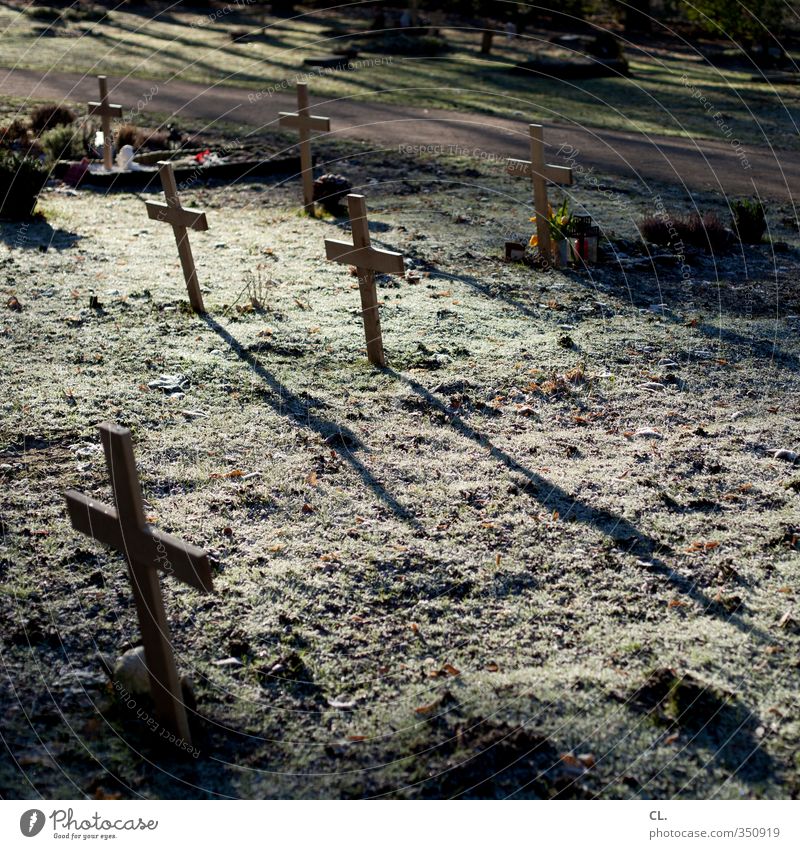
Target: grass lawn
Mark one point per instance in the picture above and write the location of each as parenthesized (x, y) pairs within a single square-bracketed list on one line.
[(547, 552)]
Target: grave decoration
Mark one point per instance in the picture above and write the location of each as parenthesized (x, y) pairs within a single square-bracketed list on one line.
[(181, 220), (540, 173), (584, 237), (106, 111), (126, 529), (304, 122), (330, 190), (367, 260)]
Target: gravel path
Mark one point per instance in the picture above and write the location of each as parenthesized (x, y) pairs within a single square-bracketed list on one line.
[(697, 165)]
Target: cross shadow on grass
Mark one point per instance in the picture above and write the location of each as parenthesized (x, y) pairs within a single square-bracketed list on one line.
[(36, 234), (764, 349), (624, 533), (339, 439)]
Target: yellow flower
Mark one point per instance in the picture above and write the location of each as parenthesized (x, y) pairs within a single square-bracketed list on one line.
[(534, 242)]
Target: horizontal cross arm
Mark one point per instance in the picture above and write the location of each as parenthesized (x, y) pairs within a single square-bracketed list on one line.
[(94, 519), (97, 108), (304, 122), (373, 259), (560, 174), (194, 219), (149, 547)]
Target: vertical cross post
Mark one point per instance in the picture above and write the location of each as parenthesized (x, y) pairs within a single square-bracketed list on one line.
[(359, 226), (305, 122), (367, 260), (540, 172), (540, 202), (105, 110), (146, 550), (181, 220)]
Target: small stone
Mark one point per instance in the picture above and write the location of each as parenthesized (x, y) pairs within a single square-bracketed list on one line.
[(786, 455), (653, 386), (170, 383), (648, 433), (130, 672)]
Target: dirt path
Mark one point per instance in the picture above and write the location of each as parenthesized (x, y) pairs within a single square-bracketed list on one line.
[(699, 165)]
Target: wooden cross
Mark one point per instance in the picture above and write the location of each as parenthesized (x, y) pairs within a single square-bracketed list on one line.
[(125, 529), (540, 173), (367, 261), (105, 110), (305, 122), (173, 213)]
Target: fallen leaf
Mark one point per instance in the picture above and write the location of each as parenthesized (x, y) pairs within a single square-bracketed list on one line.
[(699, 545), (100, 793)]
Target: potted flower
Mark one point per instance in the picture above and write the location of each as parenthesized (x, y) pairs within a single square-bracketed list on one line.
[(559, 221)]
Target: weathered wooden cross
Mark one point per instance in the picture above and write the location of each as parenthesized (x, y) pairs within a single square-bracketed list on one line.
[(146, 550), (540, 173), (106, 111), (173, 213), (367, 261), (305, 122)]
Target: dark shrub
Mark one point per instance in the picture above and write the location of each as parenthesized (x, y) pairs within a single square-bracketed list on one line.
[(50, 115), (655, 229), (64, 143), (749, 220), (15, 135), (139, 138), (706, 232), (21, 180)]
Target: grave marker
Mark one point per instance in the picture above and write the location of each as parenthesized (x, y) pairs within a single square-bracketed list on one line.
[(181, 219), (146, 549), (305, 122), (540, 173), (367, 261), (106, 111)]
